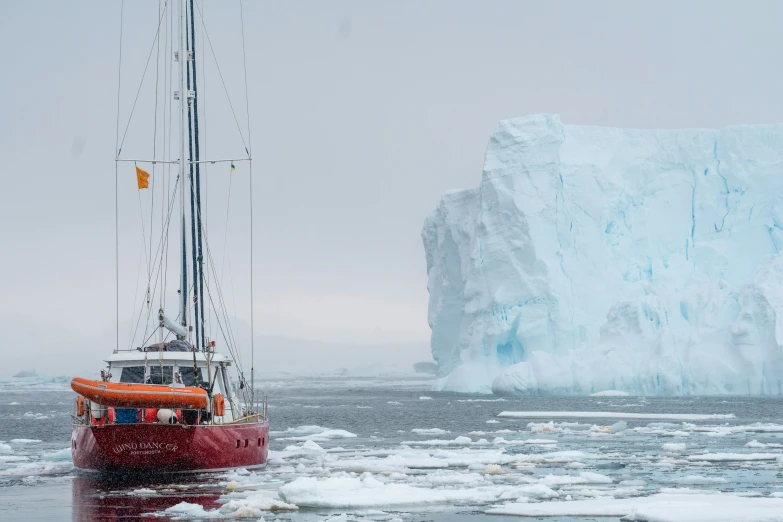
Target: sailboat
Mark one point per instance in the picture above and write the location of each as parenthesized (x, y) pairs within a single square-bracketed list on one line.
[(172, 405)]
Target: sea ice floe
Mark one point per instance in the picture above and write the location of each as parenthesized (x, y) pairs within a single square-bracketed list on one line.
[(700, 480), (734, 457), (25, 441), (459, 441), (429, 431), (537, 491), (253, 506), (717, 431), (611, 415), (323, 436), (674, 447), (143, 492), (662, 507), (762, 445), (543, 442), (300, 430), (38, 468), (58, 455), (368, 491)]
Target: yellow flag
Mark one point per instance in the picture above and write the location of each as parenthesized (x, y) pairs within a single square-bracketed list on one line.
[(142, 177)]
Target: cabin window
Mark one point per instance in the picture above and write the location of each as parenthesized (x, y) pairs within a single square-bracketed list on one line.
[(161, 374), (132, 374), (186, 376)]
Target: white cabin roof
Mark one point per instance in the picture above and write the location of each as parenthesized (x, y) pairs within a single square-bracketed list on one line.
[(152, 357)]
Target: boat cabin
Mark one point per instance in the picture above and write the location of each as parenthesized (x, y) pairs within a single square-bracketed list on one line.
[(154, 366)]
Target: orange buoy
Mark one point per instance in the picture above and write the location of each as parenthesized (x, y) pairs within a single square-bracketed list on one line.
[(150, 415), (79, 406), (219, 405), (127, 395)]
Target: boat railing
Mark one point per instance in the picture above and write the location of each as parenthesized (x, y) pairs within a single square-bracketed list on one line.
[(83, 415)]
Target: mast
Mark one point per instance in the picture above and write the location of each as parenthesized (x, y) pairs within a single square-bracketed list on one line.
[(198, 263), (199, 256), (183, 104), (196, 295)]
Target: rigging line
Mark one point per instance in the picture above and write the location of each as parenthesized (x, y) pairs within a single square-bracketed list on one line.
[(221, 299), (144, 237), (164, 239), (132, 335), (250, 181), (163, 244), (141, 83), (230, 338), (116, 194), (233, 292), (225, 233), (149, 278), (244, 66), (220, 73)]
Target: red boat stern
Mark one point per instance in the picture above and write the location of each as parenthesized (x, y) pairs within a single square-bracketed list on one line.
[(169, 447)]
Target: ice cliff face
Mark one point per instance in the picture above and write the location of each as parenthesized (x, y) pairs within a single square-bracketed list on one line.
[(594, 258)]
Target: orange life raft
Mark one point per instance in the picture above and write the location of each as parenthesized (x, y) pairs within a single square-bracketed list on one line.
[(126, 395)]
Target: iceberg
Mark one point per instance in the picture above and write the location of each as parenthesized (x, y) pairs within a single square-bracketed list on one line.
[(593, 259)]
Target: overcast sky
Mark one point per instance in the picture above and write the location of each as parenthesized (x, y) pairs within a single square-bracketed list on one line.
[(362, 114)]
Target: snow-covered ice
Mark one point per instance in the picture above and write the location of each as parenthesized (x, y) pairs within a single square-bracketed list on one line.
[(611, 415), (664, 507), (593, 259), (610, 393)]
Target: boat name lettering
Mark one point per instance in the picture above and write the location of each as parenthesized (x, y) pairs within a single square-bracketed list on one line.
[(135, 447)]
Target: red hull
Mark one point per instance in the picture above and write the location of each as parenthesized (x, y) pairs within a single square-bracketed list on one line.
[(169, 447)]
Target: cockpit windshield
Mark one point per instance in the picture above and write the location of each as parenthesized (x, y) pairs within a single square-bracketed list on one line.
[(186, 376), (161, 374), (132, 374)]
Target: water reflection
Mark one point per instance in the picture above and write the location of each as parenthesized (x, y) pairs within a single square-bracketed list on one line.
[(116, 497)]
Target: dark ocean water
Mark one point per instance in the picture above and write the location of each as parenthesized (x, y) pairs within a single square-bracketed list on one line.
[(38, 482)]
